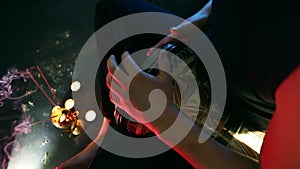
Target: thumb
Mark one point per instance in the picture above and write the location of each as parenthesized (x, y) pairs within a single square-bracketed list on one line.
[(182, 31), (164, 67)]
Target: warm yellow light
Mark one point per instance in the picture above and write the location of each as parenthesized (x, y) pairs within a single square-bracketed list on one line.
[(90, 115), (75, 86), (69, 104), (62, 118), (253, 139), (79, 128)]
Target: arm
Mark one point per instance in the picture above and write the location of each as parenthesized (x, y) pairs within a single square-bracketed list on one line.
[(206, 155), (94, 145), (83, 159), (201, 17), (181, 31), (203, 13)]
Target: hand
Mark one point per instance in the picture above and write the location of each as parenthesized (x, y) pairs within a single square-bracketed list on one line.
[(134, 99), (175, 33), (183, 31)]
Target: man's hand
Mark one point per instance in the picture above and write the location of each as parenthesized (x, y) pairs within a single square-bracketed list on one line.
[(130, 88), (183, 31)]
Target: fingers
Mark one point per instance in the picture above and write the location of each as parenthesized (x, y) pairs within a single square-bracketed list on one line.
[(115, 92), (129, 64), (184, 31), (160, 43), (117, 80), (115, 73), (180, 31), (164, 67), (174, 33), (111, 64), (174, 30), (114, 98), (113, 85)]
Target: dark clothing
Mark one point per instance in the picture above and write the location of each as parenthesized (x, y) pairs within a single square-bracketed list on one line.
[(257, 42)]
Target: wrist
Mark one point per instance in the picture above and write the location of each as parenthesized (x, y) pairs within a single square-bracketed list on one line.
[(164, 121), (200, 20)]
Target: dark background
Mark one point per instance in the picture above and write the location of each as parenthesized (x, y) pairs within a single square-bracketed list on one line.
[(50, 34), (30, 29)]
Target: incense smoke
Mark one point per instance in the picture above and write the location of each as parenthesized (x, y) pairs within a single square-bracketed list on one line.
[(10, 88), (10, 141), (7, 86)]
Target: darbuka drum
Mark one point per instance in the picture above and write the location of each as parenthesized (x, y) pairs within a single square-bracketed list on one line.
[(224, 133), (199, 73)]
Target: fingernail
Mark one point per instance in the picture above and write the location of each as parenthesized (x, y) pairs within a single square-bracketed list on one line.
[(174, 30), (112, 57), (150, 51), (127, 53)]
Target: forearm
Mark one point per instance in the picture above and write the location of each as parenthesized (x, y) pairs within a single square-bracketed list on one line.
[(95, 144), (202, 15), (199, 19), (207, 155), (210, 154)]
